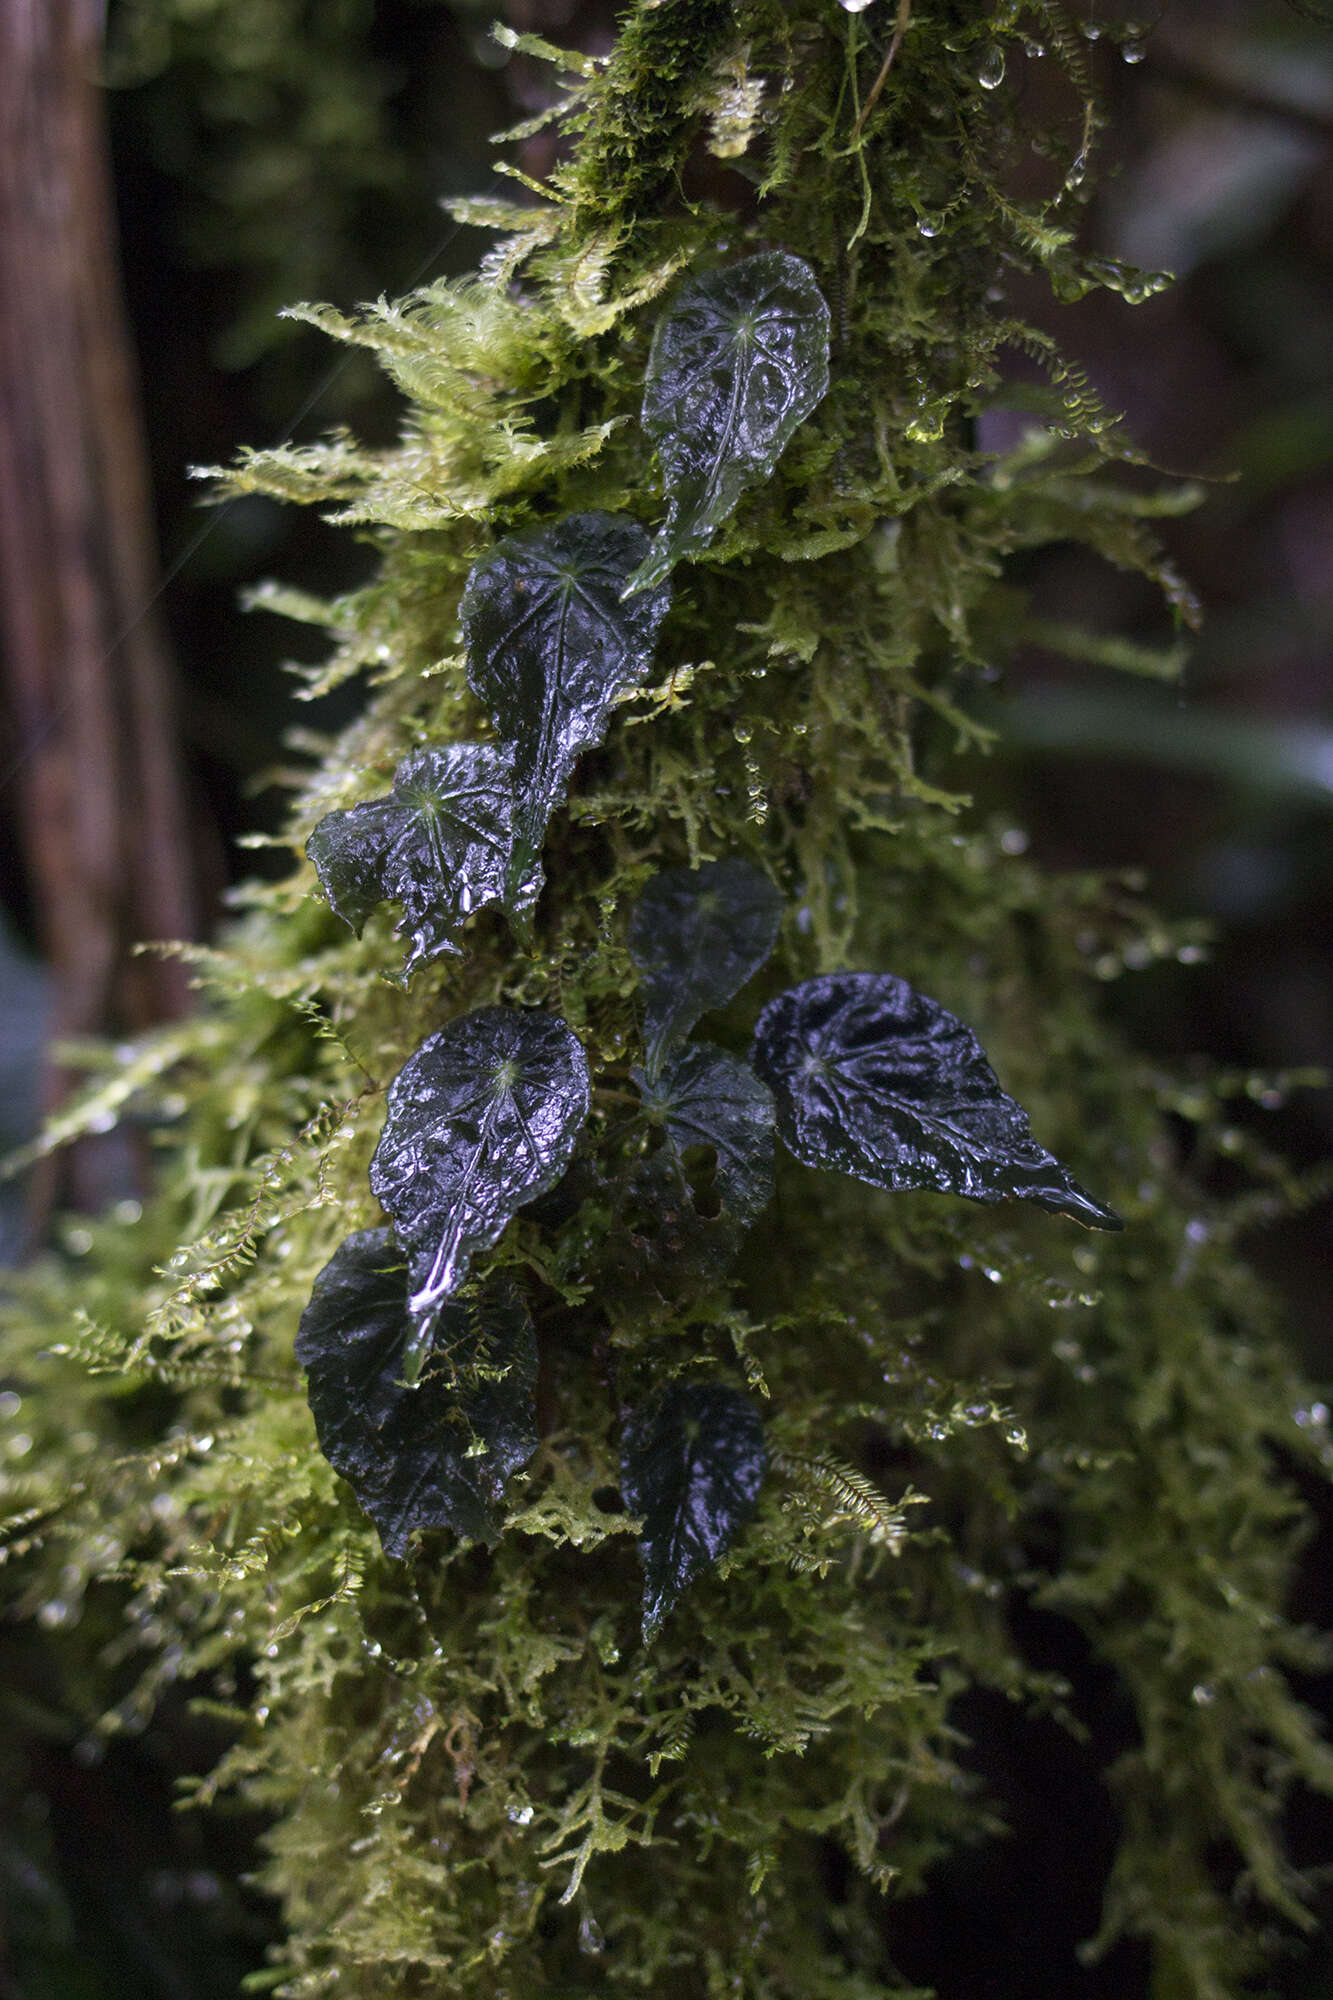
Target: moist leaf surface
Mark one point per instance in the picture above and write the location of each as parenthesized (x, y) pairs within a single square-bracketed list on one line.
[(550, 645), (696, 936), (711, 1175), (739, 359), (408, 1453), (438, 844), (878, 1081), (691, 1467), (481, 1119)]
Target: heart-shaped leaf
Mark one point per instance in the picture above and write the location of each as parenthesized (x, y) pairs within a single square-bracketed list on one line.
[(739, 360), (876, 1080), (410, 1454), (691, 1467), (438, 844), (550, 646), (482, 1118), (696, 936), (692, 1199)]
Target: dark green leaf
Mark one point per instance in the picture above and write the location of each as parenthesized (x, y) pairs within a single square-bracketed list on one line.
[(483, 1118), (691, 1468), (438, 844), (410, 1453), (876, 1080), (696, 936), (711, 1174), (738, 361), (550, 646)]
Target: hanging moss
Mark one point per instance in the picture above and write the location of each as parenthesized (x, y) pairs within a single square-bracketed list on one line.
[(479, 1778)]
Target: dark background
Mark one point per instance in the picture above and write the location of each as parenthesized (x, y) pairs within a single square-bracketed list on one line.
[(268, 150)]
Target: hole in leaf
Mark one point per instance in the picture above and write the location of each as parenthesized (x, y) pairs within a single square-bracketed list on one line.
[(700, 1167), (642, 1221)]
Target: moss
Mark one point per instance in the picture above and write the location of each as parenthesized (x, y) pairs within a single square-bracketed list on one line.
[(477, 1778)]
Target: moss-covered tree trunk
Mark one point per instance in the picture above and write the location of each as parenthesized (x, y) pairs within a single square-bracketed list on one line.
[(907, 1418), (88, 681)]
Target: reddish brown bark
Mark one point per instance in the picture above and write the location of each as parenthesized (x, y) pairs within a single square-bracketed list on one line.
[(95, 782)]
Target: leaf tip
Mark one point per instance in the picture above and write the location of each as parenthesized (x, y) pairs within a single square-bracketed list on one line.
[(652, 571), (1069, 1199)]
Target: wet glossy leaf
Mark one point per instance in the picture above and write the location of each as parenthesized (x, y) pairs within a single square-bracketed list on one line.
[(876, 1080), (482, 1119), (696, 936), (410, 1453), (550, 646), (691, 1467), (739, 360), (711, 1174), (438, 844)]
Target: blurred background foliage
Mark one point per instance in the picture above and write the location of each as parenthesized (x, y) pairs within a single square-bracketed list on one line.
[(267, 151), (1217, 165)]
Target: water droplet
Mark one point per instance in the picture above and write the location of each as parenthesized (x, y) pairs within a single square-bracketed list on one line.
[(1014, 841), (521, 1815), (1201, 1694), (927, 225), (927, 427), (854, 6), (19, 1445), (991, 74), (54, 1613), (1078, 171), (10, 1403), (79, 1241), (1133, 52), (742, 732)]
